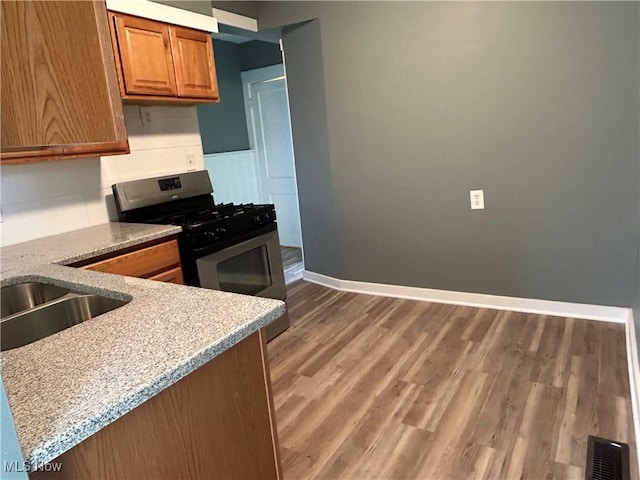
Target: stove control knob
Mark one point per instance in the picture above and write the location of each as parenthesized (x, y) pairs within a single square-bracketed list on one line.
[(210, 234)]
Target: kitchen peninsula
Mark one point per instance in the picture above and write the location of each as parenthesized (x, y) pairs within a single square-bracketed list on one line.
[(173, 384)]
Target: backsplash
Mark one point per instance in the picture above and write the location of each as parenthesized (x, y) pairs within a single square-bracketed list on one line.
[(48, 198)]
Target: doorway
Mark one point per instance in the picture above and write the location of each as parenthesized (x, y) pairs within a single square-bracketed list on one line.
[(269, 127), (265, 172)]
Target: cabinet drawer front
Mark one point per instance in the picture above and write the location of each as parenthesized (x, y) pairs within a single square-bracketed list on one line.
[(145, 54), (194, 64), (170, 276), (141, 263)]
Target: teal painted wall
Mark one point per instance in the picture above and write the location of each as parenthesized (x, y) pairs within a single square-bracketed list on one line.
[(257, 54), (223, 125)]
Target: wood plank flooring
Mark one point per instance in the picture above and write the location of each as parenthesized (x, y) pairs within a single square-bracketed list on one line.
[(370, 387)]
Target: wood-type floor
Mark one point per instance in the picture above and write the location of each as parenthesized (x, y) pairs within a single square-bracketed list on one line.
[(370, 387)]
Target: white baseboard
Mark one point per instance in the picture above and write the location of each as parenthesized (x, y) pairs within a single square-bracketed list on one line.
[(526, 305), (634, 378)]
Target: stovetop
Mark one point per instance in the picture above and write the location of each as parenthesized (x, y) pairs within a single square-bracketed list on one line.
[(218, 215), (186, 200), (221, 226)]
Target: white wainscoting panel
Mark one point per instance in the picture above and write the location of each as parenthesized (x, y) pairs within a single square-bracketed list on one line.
[(48, 198), (287, 209), (234, 176)]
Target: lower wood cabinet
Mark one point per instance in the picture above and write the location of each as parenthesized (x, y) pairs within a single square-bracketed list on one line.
[(160, 262), (216, 423)]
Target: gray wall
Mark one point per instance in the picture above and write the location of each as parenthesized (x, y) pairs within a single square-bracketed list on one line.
[(305, 82), (636, 291), (223, 125), (400, 109), (636, 303), (246, 8), (198, 6)]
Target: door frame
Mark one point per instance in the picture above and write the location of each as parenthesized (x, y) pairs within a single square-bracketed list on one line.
[(268, 74), (264, 74)]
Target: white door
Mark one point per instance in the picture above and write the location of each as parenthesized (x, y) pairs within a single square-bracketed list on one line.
[(270, 136)]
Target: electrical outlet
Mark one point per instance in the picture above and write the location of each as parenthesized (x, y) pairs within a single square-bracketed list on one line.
[(477, 199), (145, 115)]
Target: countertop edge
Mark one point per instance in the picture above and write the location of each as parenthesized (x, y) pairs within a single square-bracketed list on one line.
[(55, 447), (169, 232), (40, 252), (48, 259)]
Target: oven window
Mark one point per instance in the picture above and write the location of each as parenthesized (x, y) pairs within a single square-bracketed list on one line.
[(247, 273)]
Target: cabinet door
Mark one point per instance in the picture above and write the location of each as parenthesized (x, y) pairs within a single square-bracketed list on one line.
[(194, 64), (218, 422), (145, 56), (59, 91)]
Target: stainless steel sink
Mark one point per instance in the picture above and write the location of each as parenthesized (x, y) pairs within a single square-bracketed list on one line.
[(23, 296), (63, 309)]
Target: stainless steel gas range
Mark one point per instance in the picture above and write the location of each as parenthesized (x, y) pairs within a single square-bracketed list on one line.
[(233, 248)]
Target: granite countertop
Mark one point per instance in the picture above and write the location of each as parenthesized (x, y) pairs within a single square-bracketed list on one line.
[(64, 388), (73, 247)]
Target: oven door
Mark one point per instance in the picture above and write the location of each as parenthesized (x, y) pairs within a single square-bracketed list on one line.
[(253, 267)]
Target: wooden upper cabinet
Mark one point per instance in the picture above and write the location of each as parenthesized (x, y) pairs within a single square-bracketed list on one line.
[(145, 55), (193, 59), (59, 92), (162, 63)]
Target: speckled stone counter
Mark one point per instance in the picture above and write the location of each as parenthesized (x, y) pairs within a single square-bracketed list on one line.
[(64, 388), (72, 247)]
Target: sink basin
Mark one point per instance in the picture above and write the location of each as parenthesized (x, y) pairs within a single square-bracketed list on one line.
[(32, 311), (27, 327), (24, 296)]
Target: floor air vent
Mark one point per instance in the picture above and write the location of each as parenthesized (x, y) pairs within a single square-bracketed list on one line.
[(607, 460)]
